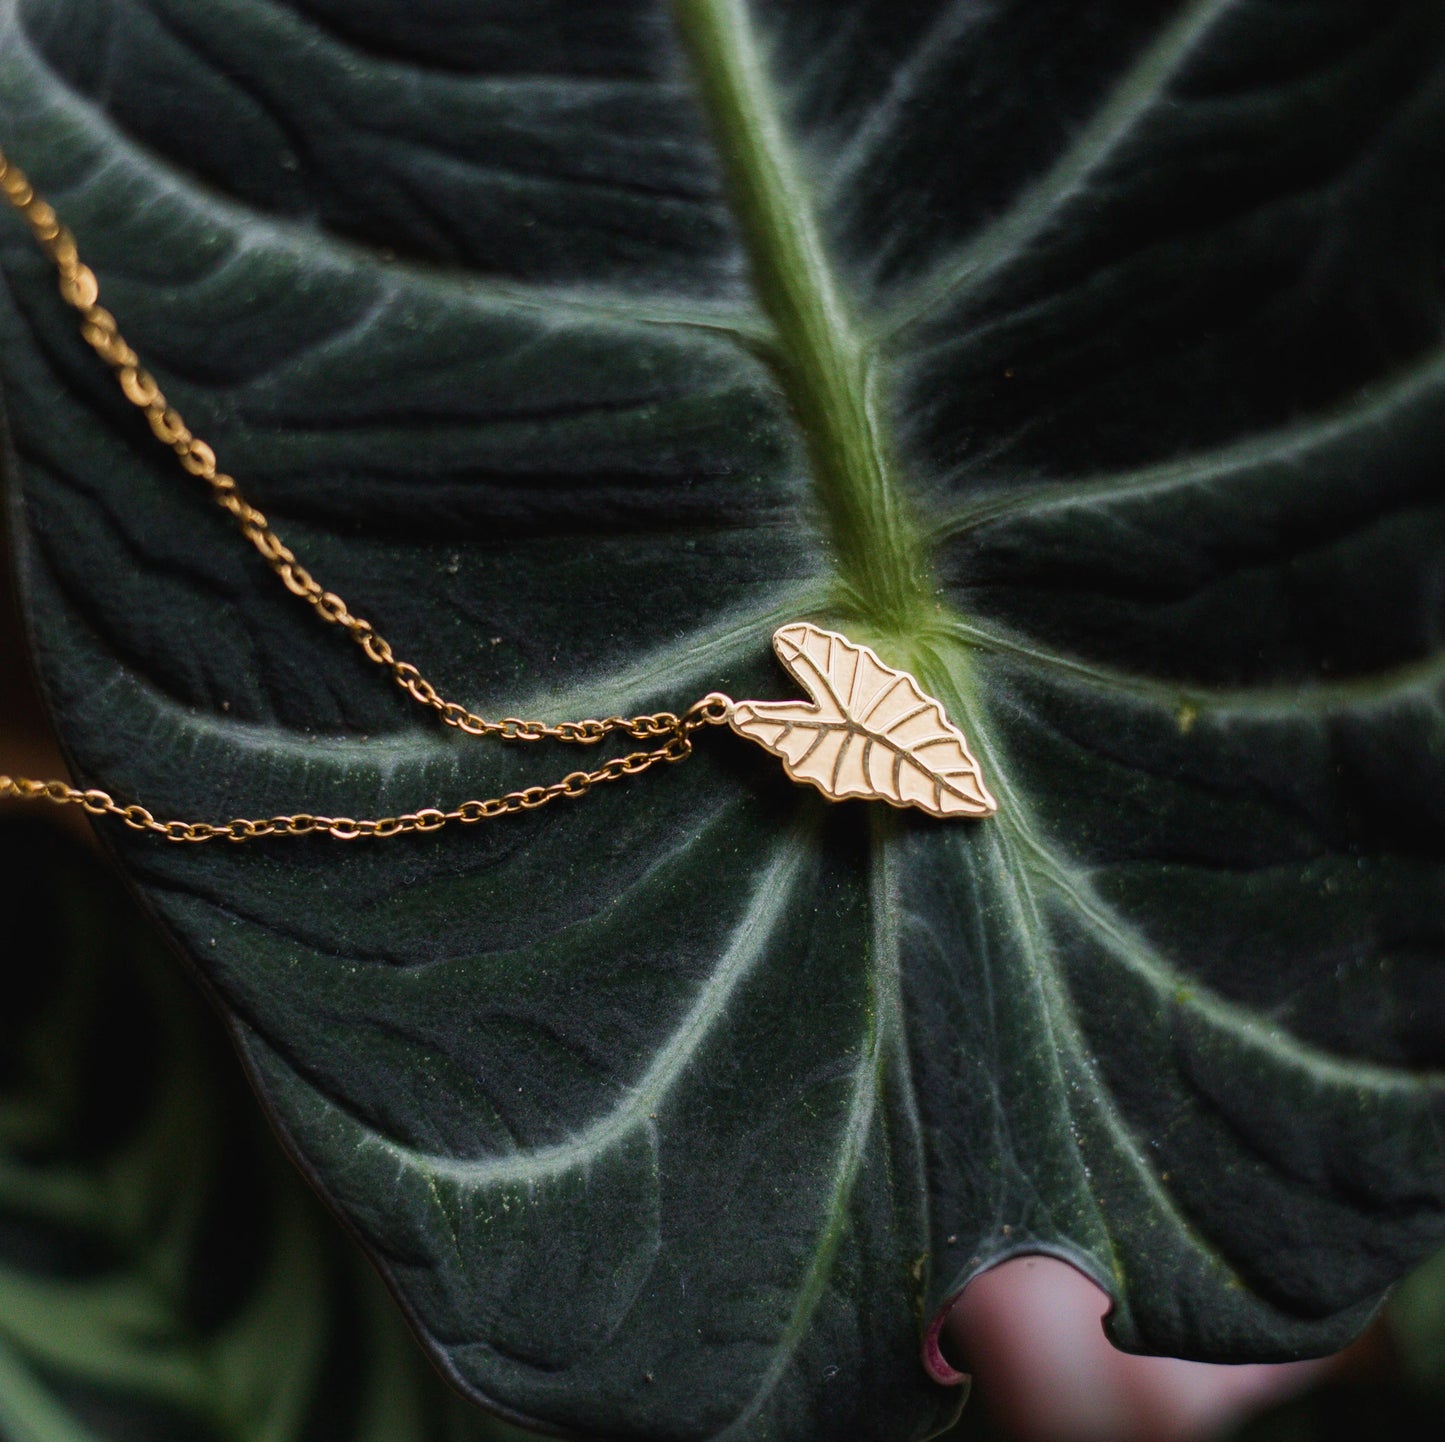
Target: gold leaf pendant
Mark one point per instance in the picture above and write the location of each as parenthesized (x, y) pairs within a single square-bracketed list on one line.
[(869, 731)]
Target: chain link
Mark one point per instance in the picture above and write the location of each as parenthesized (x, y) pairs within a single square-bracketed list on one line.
[(678, 747), (80, 290)]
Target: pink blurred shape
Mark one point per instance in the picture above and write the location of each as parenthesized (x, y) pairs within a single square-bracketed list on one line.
[(1029, 1331)]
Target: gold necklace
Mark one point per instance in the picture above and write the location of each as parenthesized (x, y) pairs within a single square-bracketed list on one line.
[(869, 731)]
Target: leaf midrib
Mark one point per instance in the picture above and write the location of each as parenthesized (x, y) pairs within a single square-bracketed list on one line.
[(819, 355)]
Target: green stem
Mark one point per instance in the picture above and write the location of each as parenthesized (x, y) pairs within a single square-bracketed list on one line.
[(819, 357)]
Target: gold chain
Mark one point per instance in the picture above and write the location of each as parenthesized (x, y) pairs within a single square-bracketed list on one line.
[(81, 290)]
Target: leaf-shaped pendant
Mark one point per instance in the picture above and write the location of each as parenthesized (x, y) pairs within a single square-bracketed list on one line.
[(869, 731)]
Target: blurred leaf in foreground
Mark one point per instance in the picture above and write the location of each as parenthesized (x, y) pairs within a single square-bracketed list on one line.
[(163, 1274)]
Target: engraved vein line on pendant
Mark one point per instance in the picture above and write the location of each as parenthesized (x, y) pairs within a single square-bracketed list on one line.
[(885, 691), (853, 681), (886, 681), (824, 681), (942, 738), (255, 230), (1136, 94), (767, 906), (1372, 408), (1266, 703), (823, 729), (853, 728), (908, 716), (813, 745)]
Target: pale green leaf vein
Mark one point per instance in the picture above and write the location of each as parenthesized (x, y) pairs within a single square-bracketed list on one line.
[(767, 905), (1371, 412), (939, 44), (852, 1143), (1017, 835), (1139, 92), (1127, 945), (1144, 960), (674, 670), (79, 126), (1318, 699), (886, 1030)]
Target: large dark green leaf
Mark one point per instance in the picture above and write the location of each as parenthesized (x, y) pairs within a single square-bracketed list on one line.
[(163, 1277), (1086, 358)]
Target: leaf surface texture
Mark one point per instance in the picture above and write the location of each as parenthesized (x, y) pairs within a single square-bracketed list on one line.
[(1084, 362)]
